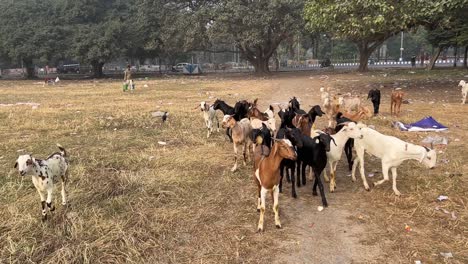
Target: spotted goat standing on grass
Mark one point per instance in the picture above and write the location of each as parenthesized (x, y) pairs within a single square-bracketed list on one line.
[(44, 173)]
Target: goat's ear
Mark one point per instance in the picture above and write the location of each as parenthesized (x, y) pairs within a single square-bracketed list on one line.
[(16, 165)]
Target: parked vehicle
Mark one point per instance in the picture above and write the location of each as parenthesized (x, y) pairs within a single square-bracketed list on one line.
[(69, 68), (179, 66)]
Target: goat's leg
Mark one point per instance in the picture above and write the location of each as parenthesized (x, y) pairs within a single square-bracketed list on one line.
[(360, 160), (210, 129), (332, 176), (385, 168), (49, 199), (244, 151), (228, 133), (298, 172), (314, 187), (303, 171), (349, 152), (320, 185), (217, 124), (43, 204), (259, 202), (263, 193), (281, 178), (394, 176), (293, 182), (325, 176), (276, 206), (391, 107), (234, 168), (64, 183)]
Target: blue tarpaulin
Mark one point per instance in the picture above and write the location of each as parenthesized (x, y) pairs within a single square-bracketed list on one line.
[(426, 124)]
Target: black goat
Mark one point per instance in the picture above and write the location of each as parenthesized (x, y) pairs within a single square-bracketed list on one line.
[(348, 147), (295, 136), (314, 154), (262, 136), (374, 95)]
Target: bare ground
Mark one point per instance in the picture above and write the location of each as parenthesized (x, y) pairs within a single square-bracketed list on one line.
[(133, 200)]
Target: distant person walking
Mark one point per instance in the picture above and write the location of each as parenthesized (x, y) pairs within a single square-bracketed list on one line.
[(413, 61), (128, 81)]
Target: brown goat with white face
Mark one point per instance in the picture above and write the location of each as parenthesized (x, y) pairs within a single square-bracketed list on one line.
[(267, 176), (397, 98), (240, 135)]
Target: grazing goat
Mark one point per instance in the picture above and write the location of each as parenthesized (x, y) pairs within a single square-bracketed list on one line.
[(350, 130), (362, 113), (349, 102), (44, 173), (267, 176), (392, 151), (397, 98), (464, 90), (240, 135), (209, 114)]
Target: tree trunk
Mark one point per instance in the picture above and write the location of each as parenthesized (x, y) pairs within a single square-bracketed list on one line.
[(465, 64), (434, 59), (260, 65), (455, 53), (364, 54), (30, 73), (97, 69)]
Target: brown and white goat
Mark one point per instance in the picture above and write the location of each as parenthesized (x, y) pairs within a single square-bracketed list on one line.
[(331, 107), (397, 98), (363, 113), (267, 176), (240, 135)]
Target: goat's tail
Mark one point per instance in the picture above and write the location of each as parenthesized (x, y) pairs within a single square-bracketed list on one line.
[(62, 150)]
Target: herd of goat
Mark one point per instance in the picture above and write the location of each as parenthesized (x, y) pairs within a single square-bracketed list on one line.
[(297, 145), (284, 151)]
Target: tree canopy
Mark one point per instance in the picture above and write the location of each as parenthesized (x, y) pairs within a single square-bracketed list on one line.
[(369, 23)]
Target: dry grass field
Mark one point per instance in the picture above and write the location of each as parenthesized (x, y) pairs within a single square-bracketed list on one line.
[(133, 200)]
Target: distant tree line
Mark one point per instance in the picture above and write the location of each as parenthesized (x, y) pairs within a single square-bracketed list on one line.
[(97, 31)]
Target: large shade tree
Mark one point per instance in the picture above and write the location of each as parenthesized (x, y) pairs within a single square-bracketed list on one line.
[(255, 27), (369, 23), (99, 30), (29, 32)]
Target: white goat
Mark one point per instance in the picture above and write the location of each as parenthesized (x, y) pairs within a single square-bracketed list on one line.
[(392, 151), (464, 90), (209, 114), (349, 102), (324, 94), (334, 155), (44, 173)]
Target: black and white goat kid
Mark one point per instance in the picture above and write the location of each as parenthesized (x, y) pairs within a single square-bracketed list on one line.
[(44, 174)]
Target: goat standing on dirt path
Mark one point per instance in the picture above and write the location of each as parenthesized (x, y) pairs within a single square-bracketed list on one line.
[(267, 176), (350, 130), (44, 173), (392, 151), (464, 90), (240, 135), (397, 98)]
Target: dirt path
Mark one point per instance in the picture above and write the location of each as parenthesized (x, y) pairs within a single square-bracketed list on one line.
[(334, 235)]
